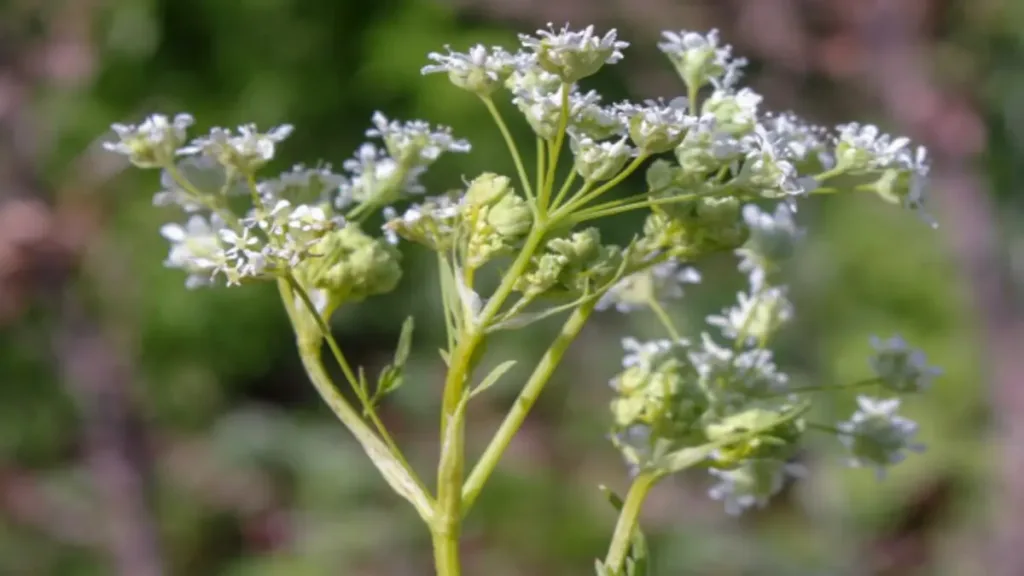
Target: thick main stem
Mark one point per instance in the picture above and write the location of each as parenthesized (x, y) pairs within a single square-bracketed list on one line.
[(447, 521), (629, 518), (446, 554)]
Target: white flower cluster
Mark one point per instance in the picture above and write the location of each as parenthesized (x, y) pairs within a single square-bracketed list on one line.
[(291, 214), (660, 282), (877, 436), (749, 152)]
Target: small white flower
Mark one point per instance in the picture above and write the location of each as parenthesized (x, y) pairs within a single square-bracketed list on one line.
[(244, 151), (195, 248), (700, 58), (750, 485), (597, 161), (657, 126), (877, 436), (735, 378), (153, 143), (573, 55), (645, 354), (415, 142), (799, 139), (302, 185), (756, 317), (866, 147), (773, 238), (377, 176), (543, 111), (900, 367), (480, 70), (768, 167), (736, 111), (661, 282)]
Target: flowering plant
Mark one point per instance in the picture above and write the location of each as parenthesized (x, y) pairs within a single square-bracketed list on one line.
[(721, 176)]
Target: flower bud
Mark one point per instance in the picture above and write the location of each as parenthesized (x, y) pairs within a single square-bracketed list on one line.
[(597, 161), (573, 55), (351, 266), (487, 189), (734, 113), (154, 142), (511, 216), (580, 248), (481, 70)]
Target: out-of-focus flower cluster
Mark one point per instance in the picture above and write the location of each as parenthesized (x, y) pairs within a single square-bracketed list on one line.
[(725, 390)]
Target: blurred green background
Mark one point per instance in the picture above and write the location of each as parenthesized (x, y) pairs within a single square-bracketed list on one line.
[(133, 411)]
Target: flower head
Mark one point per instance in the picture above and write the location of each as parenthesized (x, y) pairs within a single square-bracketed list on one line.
[(877, 436), (480, 70), (573, 55), (701, 58), (153, 143), (415, 143), (900, 367), (657, 126), (243, 151), (751, 484)]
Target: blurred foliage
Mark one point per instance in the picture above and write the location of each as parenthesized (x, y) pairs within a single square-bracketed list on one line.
[(254, 477)]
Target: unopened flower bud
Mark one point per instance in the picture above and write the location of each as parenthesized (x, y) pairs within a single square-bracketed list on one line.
[(351, 266), (511, 216), (487, 189)]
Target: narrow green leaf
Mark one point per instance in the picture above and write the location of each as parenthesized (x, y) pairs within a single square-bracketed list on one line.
[(404, 343), (492, 378), (392, 376), (612, 497), (687, 457)]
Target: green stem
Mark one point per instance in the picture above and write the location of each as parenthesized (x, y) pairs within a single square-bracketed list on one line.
[(582, 200), (544, 194), (447, 522), (398, 476), (511, 143), (296, 288), (664, 318), (202, 198), (836, 170), (624, 205), (629, 518), (866, 383), (541, 153), (524, 402), (565, 189), (692, 92), (446, 554)]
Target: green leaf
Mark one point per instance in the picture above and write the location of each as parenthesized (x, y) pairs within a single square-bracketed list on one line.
[(392, 376), (524, 319), (404, 342), (687, 457), (492, 378)]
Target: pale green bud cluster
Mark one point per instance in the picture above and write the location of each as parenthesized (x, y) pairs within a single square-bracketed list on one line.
[(495, 216), (347, 265), (571, 266)]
